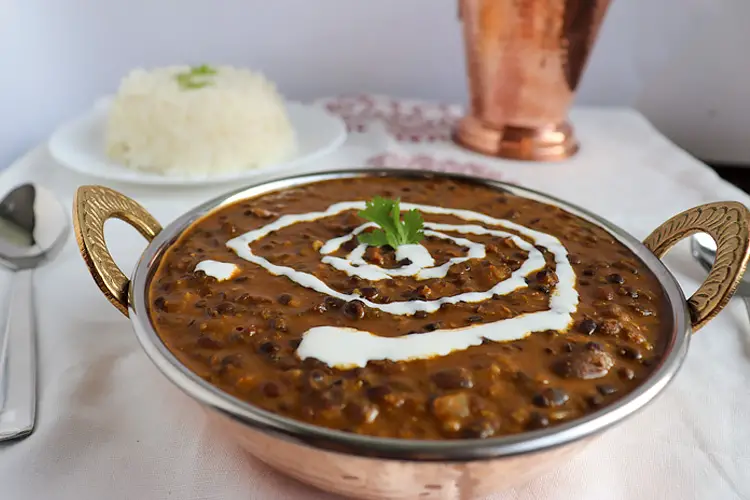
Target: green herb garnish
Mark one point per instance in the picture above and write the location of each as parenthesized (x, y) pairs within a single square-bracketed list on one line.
[(393, 231), (196, 77), (203, 69)]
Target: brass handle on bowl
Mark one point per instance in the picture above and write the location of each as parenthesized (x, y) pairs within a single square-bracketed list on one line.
[(92, 207), (727, 223)]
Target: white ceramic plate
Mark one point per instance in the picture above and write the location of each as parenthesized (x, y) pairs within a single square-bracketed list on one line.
[(79, 145)]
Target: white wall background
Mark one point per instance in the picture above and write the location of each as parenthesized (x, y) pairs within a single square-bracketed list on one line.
[(685, 63)]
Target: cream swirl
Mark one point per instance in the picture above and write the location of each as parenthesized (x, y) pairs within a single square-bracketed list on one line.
[(219, 270), (347, 347)]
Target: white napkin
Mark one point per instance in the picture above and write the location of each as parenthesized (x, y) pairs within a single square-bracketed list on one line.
[(111, 427)]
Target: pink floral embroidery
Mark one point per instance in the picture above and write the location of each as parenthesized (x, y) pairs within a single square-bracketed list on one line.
[(426, 162), (356, 112), (406, 121)]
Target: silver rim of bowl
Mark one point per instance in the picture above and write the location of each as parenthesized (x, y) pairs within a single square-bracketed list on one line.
[(394, 448)]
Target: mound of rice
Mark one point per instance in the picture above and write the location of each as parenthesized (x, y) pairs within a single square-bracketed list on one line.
[(214, 120)]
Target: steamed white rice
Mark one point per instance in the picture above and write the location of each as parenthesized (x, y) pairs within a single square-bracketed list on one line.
[(237, 121)]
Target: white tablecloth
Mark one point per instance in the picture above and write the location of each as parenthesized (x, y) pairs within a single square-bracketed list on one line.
[(111, 427)]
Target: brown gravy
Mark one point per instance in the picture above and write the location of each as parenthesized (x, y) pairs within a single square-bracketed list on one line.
[(241, 334)]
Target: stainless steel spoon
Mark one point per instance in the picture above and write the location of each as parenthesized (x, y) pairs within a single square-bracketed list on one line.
[(703, 248), (33, 227)]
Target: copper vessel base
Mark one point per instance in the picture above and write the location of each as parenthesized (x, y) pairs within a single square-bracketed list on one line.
[(551, 143)]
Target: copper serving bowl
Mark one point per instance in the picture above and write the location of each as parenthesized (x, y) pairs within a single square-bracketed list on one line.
[(371, 467)]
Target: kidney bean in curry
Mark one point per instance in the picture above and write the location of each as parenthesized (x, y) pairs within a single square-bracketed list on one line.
[(241, 334)]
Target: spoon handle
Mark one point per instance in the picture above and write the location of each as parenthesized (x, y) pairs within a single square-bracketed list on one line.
[(18, 365), (746, 300)]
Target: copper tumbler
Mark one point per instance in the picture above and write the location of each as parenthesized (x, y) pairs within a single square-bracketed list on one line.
[(524, 61)]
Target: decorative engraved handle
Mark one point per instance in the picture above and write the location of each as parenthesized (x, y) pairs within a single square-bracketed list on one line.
[(92, 206), (727, 223)]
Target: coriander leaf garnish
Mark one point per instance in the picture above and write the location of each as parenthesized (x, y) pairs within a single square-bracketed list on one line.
[(393, 231), (375, 238), (413, 225), (196, 77), (203, 69)]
